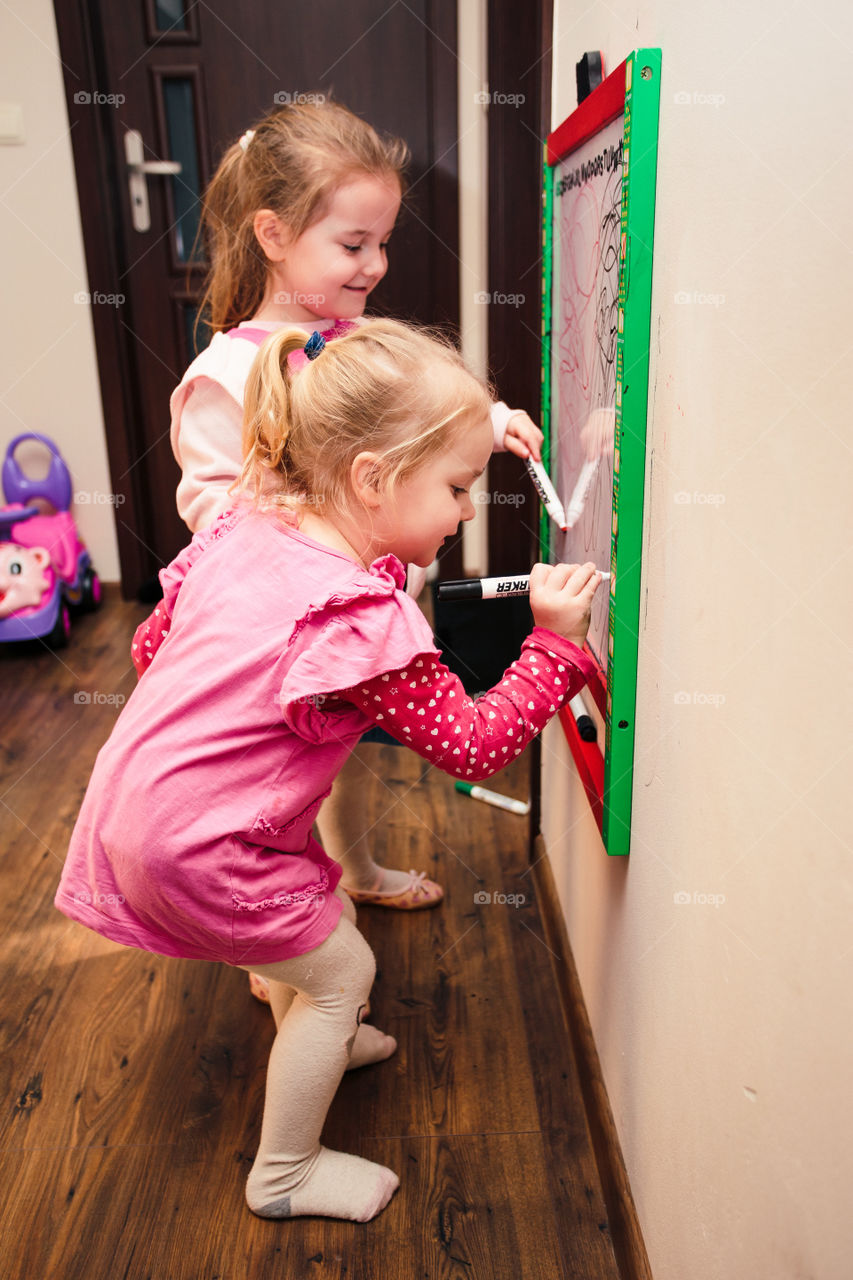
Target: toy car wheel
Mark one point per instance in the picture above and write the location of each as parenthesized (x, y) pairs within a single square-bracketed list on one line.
[(58, 637), (91, 589)]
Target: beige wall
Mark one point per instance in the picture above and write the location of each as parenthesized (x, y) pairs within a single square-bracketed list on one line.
[(48, 373), (724, 1026)]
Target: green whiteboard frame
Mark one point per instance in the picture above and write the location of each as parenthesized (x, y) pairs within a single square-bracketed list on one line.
[(633, 89)]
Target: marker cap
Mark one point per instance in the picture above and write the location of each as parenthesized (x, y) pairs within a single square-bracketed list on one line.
[(464, 589)]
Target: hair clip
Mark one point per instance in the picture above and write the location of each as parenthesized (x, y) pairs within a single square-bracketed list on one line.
[(314, 345), (246, 139)]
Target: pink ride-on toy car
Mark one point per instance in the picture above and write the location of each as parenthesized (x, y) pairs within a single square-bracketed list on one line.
[(45, 571)]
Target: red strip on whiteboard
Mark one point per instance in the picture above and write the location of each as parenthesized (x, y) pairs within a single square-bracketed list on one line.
[(597, 684), (603, 105), (589, 761)]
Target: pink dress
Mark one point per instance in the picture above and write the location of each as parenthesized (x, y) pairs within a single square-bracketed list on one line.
[(266, 660), (194, 838)]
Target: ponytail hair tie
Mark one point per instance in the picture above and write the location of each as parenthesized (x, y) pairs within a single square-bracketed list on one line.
[(246, 139), (314, 345)]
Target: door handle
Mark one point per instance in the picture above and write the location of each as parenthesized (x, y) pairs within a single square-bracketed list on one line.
[(156, 166), (137, 169)]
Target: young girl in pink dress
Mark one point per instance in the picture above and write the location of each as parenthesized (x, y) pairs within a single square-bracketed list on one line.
[(298, 219), (284, 633)]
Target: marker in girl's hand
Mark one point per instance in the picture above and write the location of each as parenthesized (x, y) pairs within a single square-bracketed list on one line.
[(547, 492), (489, 588)]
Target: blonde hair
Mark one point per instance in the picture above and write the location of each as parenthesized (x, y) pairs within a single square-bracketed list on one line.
[(385, 388), (291, 162)]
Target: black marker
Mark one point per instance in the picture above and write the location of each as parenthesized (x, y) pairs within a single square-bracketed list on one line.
[(484, 588), (487, 588), (583, 720)]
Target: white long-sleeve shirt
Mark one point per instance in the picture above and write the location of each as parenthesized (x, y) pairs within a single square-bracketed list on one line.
[(207, 423)]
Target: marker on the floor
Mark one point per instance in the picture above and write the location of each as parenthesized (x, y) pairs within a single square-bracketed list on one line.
[(583, 720), (547, 492), (488, 588), (494, 798)]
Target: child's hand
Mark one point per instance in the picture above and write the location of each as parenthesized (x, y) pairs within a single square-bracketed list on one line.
[(561, 598), (522, 436)]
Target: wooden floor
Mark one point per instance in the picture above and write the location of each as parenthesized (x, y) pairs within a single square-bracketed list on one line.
[(133, 1084)]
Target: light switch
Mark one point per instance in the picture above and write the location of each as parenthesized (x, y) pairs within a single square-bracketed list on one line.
[(11, 123)]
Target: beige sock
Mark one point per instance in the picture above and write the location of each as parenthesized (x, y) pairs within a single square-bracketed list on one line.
[(318, 1037), (333, 1185), (370, 1044)]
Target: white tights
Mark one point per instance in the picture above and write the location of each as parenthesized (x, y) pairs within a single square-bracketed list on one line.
[(317, 1000)]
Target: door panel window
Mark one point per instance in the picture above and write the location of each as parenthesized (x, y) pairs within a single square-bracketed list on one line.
[(177, 96), (171, 21)]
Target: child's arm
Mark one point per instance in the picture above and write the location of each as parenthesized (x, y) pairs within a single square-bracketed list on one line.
[(148, 637), (206, 440), (516, 432), (425, 706)]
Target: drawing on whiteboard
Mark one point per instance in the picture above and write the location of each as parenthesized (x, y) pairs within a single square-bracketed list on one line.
[(585, 313)]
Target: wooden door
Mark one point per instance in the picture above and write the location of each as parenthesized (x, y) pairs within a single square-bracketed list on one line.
[(188, 78)]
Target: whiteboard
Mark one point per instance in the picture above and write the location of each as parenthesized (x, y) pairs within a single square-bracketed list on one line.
[(598, 206), (587, 199)]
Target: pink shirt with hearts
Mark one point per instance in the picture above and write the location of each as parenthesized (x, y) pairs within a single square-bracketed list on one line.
[(268, 658)]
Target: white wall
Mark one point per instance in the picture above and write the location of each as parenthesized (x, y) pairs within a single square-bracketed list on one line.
[(48, 371), (725, 1031)]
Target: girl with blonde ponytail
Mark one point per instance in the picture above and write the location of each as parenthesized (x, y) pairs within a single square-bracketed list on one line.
[(297, 223), (284, 633)]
